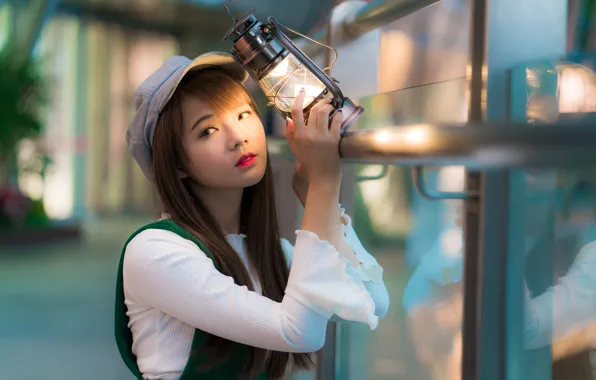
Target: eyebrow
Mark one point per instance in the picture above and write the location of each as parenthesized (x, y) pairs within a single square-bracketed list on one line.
[(200, 120)]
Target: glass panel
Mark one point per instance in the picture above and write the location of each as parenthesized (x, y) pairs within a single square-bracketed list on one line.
[(419, 244), (559, 287), (286, 79), (555, 89), (559, 224)]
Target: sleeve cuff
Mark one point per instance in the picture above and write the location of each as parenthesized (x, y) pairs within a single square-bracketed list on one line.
[(350, 247), (324, 281)]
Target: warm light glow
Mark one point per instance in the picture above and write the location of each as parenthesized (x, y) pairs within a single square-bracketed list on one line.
[(283, 83), (577, 89), (281, 68), (382, 137), (572, 87), (416, 135), (311, 91), (411, 135)]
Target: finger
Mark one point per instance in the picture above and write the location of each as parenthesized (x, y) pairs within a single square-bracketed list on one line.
[(318, 105), (313, 118), (323, 118), (311, 125), (335, 128), (289, 126), (297, 112), (289, 133)]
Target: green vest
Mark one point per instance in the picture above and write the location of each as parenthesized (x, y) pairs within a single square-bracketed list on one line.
[(228, 370)]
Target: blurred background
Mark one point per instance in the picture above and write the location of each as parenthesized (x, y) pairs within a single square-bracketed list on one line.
[(70, 194)]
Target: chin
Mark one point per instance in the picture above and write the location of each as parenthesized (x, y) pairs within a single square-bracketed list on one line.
[(253, 178)]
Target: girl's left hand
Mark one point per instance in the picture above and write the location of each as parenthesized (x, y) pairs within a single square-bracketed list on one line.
[(300, 182)]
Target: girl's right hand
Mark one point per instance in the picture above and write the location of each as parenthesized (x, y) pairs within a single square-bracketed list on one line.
[(316, 143)]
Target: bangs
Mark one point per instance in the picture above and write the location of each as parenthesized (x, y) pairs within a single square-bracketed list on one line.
[(218, 89)]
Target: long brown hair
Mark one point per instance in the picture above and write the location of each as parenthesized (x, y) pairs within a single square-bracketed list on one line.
[(258, 220)]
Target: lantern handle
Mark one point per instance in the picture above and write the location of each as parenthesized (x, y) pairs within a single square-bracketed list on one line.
[(230, 13), (274, 21)]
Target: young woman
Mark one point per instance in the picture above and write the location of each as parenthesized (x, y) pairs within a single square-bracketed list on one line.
[(210, 291)]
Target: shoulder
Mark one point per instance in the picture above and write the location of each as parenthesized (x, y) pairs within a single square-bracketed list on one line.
[(153, 236), (158, 247)]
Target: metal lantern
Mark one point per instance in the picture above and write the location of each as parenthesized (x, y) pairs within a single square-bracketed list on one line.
[(281, 69)]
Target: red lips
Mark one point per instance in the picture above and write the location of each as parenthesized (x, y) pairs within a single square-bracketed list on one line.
[(246, 160)]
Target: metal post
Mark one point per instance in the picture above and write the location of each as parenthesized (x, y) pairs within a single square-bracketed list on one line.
[(504, 33), (326, 357)]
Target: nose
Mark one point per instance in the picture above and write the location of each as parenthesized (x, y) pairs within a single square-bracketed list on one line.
[(239, 144), (237, 136)]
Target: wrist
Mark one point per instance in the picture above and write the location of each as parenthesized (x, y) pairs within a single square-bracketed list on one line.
[(325, 182)]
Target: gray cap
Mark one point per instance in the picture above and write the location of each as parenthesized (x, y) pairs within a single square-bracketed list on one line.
[(154, 93)]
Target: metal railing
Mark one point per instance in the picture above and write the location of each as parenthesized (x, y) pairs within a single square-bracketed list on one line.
[(474, 145), (374, 15)]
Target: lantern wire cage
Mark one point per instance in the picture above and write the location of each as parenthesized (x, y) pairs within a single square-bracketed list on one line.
[(299, 69)]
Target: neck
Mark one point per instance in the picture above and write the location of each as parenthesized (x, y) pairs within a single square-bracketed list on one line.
[(224, 205)]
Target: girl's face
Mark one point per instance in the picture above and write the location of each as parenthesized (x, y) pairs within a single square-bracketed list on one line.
[(225, 149)]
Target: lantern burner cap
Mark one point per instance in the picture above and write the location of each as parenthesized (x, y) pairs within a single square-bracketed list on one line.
[(241, 25)]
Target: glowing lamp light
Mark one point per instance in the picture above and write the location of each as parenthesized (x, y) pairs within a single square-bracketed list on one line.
[(281, 69), (382, 137), (416, 136)]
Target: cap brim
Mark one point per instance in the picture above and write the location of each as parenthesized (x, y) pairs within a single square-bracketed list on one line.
[(215, 59), (218, 59)]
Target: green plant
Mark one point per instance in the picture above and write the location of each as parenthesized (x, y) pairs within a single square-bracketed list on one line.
[(36, 217), (22, 97)]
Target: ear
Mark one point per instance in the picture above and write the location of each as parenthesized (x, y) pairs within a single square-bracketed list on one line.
[(182, 174)]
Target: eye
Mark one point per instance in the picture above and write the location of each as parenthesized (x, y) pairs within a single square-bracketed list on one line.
[(244, 115), (207, 131)]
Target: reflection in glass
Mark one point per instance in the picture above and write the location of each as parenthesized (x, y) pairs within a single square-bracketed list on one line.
[(556, 89), (559, 283), (560, 228), (577, 88), (420, 338)]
